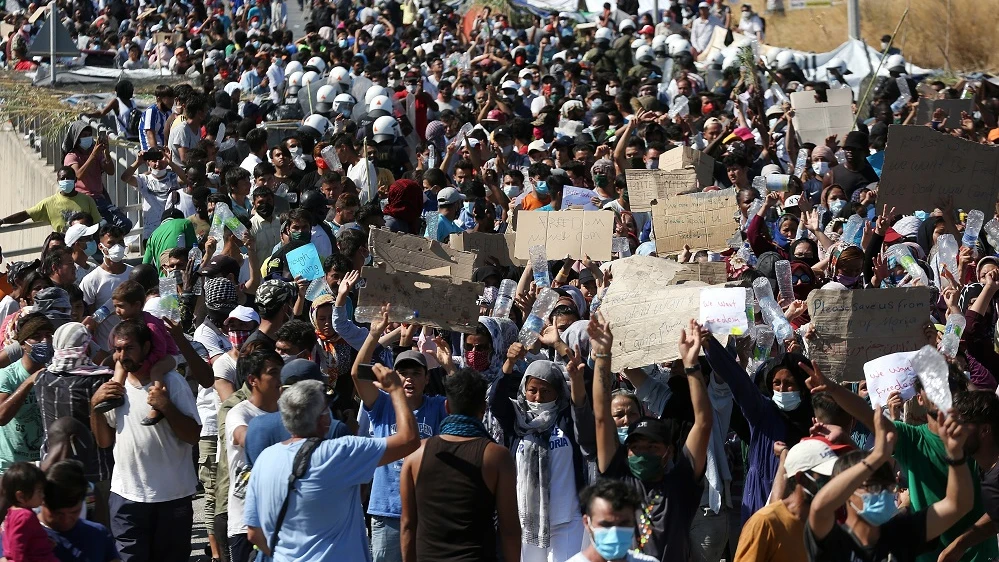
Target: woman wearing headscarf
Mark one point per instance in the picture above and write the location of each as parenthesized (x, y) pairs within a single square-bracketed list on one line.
[(91, 158), (405, 204), (977, 302), (334, 357), (847, 267)]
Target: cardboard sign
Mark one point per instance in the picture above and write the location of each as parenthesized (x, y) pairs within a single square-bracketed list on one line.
[(814, 121), (645, 314), (406, 252), (437, 301), (646, 186), (704, 221), (485, 245), (686, 158), (890, 373), (574, 233), (723, 310), (854, 327), (172, 39), (304, 262), (922, 166), (579, 197), (711, 273), (924, 114)]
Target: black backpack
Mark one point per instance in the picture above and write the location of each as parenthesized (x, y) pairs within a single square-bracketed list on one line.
[(134, 118)]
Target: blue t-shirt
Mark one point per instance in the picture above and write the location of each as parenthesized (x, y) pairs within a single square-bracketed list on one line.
[(445, 228), (266, 430), (385, 499), (85, 542), (325, 518)]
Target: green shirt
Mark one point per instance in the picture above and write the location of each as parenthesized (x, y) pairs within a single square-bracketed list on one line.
[(56, 209), (165, 238), (21, 438), (920, 451), (221, 457)]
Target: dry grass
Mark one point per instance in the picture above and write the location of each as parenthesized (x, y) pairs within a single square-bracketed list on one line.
[(974, 30)]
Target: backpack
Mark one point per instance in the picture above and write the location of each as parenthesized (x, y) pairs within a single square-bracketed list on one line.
[(132, 126)]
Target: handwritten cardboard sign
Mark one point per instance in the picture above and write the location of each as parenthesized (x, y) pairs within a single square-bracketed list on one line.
[(815, 121), (645, 314), (854, 327), (686, 158), (486, 245), (304, 262), (922, 166), (702, 220), (890, 373), (924, 114), (406, 252), (711, 273), (574, 233), (579, 197), (723, 310), (646, 186), (438, 301)]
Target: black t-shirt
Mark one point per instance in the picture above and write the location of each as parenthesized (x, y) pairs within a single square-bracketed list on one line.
[(668, 508), (902, 538), (257, 335), (990, 492), (851, 181)]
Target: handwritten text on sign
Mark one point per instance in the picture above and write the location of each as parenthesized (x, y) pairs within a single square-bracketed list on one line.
[(304, 262), (646, 186), (573, 233), (702, 220), (889, 374), (854, 327), (723, 310)]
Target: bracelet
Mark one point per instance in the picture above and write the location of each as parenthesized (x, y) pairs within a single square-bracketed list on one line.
[(954, 462), (601, 355), (692, 370), (869, 467)]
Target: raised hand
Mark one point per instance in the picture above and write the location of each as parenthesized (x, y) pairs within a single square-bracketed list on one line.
[(690, 343), (601, 338), (381, 321), (816, 381)]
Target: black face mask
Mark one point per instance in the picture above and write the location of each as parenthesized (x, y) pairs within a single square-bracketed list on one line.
[(265, 210)]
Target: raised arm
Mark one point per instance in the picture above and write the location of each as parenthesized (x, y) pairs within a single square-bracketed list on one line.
[(406, 439), (960, 489), (367, 389), (601, 341), (697, 440), (852, 403), (746, 394)]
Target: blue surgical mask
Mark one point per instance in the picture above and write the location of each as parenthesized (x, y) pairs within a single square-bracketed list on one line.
[(612, 543), (41, 353), (622, 434), (836, 206), (86, 142), (787, 401), (525, 83), (878, 508), (67, 186), (91, 248), (541, 188)]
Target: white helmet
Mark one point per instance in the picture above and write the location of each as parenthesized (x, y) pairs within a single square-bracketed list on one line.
[(644, 54), (716, 59), (637, 43), (604, 34), (772, 55), (625, 24), (373, 92), (730, 61), (293, 67), (385, 128), (659, 44), (309, 77), (317, 63), (673, 37), (380, 102), (319, 123), (784, 59), (343, 103), (340, 75), (895, 61), (679, 46), (295, 80), (324, 98)]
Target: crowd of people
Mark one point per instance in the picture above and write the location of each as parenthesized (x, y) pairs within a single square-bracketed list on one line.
[(316, 431)]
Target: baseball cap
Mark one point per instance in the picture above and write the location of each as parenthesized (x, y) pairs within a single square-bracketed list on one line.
[(77, 231), (220, 265), (509, 85), (410, 356), (298, 370), (538, 145), (704, 5), (449, 196), (743, 133), (652, 428), (20, 269), (792, 201), (810, 455), (244, 313)]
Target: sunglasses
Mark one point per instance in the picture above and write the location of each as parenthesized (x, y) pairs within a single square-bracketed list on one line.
[(802, 277), (478, 347)]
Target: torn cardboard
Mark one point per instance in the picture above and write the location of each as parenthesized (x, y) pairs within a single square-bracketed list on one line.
[(646, 186), (406, 252), (485, 245), (687, 158), (436, 301)]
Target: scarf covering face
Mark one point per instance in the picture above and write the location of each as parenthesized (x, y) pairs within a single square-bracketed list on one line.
[(533, 461), (502, 332), (71, 342), (405, 203)]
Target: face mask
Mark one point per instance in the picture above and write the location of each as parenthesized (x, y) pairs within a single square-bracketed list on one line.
[(525, 83), (884, 46), (478, 360), (511, 191), (613, 543), (238, 337), (116, 253), (41, 352), (343, 43), (255, 25), (611, 91), (787, 401), (295, 152), (91, 248), (86, 143), (622, 434), (837, 206), (411, 88), (652, 164), (847, 280), (265, 210), (158, 174), (878, 508), (67, 186), (597, 103), (820, 168), (538, 408), (541, 189), (301, 236), (646, 466)]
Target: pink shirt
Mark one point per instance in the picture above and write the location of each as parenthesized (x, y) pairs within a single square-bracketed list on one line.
[(92, 181), (24, 539)]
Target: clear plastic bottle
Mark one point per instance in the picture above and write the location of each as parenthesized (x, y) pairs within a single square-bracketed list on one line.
[(972, 228), (992, 233), (853, 230), (764, 342), (747, 254), (332, 160), (841, 156), (931, 368), (801, 161), (504, 298), (898, 105), (903, 87), (779, 95), (754, 208), (679, 108), (903, 257), (367, 314), (762, 288), (947, 253), (760, 184), (539, 265), (195, 256), (432, 218), (778, 182), (784, 281), (774, 317), (597, 299), (102, 313), (431, 156), (952, 334), (317, 288), (169, 303), (535, 322), (299, 162)]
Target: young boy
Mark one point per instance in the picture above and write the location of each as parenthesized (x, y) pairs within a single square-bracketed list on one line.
[(448, 205), (155, 186)]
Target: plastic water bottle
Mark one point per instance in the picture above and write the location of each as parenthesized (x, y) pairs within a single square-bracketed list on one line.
[(539, 265), (431, 157), (169, 303), (195, 256), (903, 87), (332, 160), (841, 156), (947, 253), (853, 231), (762, 289), (760, 184), (905, 259), (778, 182), (761, 348), (597, 299), (774, 317), (747, 254), (784, 282), (432, 218), (992, 233), (679, 108), (317, 288), (972, 228), (952, 334), (536, 320), (754, 209), (367, 314), (801, 161), (504, 298), (299, 162), (898, 105), (779, 94), (102, 313), (931, 368), (751, 308)]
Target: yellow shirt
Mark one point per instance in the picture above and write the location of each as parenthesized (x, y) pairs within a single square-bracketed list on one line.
[(772, 534), (56, 209)]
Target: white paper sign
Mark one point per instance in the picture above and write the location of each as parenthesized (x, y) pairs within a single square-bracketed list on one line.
[(889, 374), (579, 197), (723, 310)]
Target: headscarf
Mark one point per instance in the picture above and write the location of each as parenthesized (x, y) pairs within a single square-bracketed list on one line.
[(71, 342), (405, 203), (76, 128), (54, 303), (502, 332), (578, 300), (924, 236), (576, 336), (799, 420), (337, 355)]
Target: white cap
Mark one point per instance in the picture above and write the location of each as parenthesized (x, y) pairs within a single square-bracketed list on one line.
[(509, 85), (810, 455), (537, 145), (231, 87), (792, 201), (570, 105), (704, 5), (449, 196), (244, 313), (77, 231)]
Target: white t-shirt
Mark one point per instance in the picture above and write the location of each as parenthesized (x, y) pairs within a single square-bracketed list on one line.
[(213, 339), (184, 202), (152, 464), (8, 306), (564, 503), (81, 272), (181, 136), (356, 174), (225, 368), (154, 193), (250, 162), (239, 416), (97, 287)]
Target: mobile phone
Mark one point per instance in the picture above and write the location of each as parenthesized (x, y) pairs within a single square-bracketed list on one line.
[(153, 154), (365, 372)]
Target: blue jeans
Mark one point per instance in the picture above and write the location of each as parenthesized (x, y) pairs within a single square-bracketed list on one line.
[(111, 213), (385, 545)]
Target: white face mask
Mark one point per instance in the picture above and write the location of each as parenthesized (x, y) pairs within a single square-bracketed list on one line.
[(116, 253), (511, 191), (411, 88), (820, 168), (787, 401), (157, 173), (542, 407), (295, 152), (611, 90)]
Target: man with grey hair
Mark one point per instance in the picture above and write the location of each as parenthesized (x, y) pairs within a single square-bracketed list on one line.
[(336, 468)]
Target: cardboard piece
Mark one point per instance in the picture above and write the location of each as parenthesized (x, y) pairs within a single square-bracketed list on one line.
[(646, 186), (686, 158), (304, 262), (814, 121), (574, 233), (922, 166), (701, 220), (723, 310), (438, 302), (645, 314), (485, 245), (406, 252), (854, 327), (924, 114), (39, 13), (172, 39), (890, 373), (439, 272), (712, 273), (579, 197)]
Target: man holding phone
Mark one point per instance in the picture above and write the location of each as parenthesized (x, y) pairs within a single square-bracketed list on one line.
[(155, 186)]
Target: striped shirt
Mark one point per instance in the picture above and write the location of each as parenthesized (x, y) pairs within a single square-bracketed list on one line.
[(152, 120), (64, 394)]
